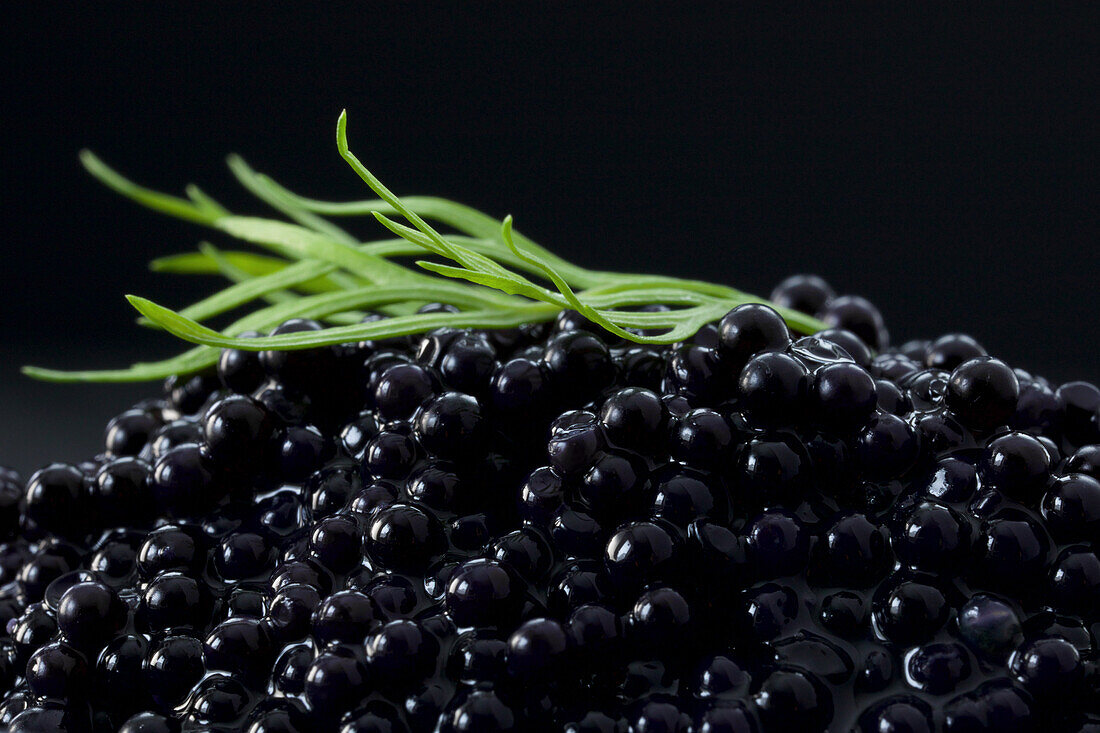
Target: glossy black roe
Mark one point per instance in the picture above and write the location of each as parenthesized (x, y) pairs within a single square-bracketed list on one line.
[(701, 437), (933, 537), (452, 427), (401, 652), (189, 394), (1012, 553), (849, 343), (391, 454), (990, 626), (479, 657), (948, 352), (402, 388), (845, 613), (56, 498), (645, 367), (376, 715), (1082, 412), (777, 544), (695, 372), (952, 480), (581, 583), (526, 551), (170, 548), (481, 710), (983, 393), (580, 363), (33, 628), (891, 398), (615, 482), (128, 433), (1071, 507), (721, 677), (772, 471), (635, 418), (793, 699), (1086, 460), (773, 388), (336, 542), (748, 330), (149, 722), (346, 616), (1048, 668), (242, 555), (911, 612), (858, 315), (901, 713), (939, 667), (843, 397), (521, 388), (336, 679), (218, 699), (573, 448), (296, 369), (1075, 581), (681, 496), (173, 666), (51, 561), (11, 492), (404, 537), (471, 532), (816, 352), (240, 371), (119, 491), (854, 551), (641, 552), (289, 615), (170, 435), (57, 670), (894, 367), (173, 600), (537, 648), (596, 631), (238, 432), (90, 613), (571, 320), (467, 363), (805, 293), (887, 447), (1039, 410), (300, 450), (240, 646), (1017, 464), (483, 592), (675, 563), (330, 489), (184, 481), (659, 713), (661, 621)]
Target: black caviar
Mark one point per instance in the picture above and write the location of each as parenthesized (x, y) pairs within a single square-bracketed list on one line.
[(549, 529)]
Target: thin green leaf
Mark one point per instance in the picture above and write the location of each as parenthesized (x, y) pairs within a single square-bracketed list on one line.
[(231, 272), (298, 242), (196, 263), (204, 202), (259, 187), (155, 200)]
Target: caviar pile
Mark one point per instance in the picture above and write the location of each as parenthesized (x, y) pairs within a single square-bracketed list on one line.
[(541, 529)]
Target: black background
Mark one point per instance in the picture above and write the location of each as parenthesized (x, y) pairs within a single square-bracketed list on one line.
[(940, 163)]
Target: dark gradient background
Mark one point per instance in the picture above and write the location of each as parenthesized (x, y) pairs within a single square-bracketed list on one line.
[(942, 164)]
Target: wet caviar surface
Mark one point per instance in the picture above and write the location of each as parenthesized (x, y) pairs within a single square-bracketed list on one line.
[(548, 529)]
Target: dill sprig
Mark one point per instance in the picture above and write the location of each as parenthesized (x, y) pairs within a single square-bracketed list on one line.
[(493, 275)]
